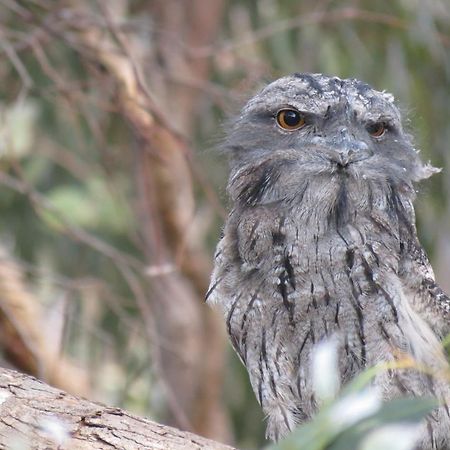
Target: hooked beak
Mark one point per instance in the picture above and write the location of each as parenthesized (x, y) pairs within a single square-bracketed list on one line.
[(347, 149)]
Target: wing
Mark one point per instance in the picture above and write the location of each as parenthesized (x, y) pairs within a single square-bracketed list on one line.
[(427, 297), (258, 331)]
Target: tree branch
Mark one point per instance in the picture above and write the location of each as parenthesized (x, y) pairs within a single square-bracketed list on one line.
[(37, 416)]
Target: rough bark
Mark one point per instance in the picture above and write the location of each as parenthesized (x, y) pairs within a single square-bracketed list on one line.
[(37, 416)]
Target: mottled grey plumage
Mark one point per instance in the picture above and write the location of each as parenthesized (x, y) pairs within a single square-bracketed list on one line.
[(320, 242)]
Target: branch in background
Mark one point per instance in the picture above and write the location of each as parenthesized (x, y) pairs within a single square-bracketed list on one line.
[(193, 371), (165, 207)]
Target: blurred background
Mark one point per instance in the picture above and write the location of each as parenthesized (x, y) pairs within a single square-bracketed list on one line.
[(112, 192)]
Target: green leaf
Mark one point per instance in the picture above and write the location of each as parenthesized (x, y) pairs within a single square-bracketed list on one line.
[(401, 410)]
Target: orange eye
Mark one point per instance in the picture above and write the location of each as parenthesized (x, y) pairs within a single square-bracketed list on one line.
[(377, 129), (290, 119)]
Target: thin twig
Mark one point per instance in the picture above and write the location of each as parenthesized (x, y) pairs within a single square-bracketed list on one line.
[(320, 17), (17, 63), (154, 346), (41, 202)]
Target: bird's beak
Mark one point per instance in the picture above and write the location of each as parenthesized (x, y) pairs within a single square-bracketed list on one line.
[(347, 149)]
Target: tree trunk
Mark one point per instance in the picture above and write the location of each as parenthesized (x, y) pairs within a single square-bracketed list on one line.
[(34, 415)]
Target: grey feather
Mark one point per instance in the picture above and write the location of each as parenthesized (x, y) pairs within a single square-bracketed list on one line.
[(321, 242)]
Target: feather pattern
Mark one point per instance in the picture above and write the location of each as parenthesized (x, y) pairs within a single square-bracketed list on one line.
[(316, 248)]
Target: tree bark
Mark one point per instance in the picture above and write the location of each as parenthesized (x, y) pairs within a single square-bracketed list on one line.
[(34, 415)]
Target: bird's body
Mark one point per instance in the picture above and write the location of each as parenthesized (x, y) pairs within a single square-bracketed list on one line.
[(321, 243)]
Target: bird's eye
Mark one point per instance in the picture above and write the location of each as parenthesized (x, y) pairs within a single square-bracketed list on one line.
[(290, 119), (377, 129)]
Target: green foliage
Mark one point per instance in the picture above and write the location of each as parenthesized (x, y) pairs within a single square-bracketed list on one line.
[(323, 434), (90, 206), (357, 420)]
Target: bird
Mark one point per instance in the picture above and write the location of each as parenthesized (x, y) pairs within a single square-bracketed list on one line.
[(321, 243)]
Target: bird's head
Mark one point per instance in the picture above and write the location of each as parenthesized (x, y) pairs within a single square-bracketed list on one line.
[(310, 131)]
